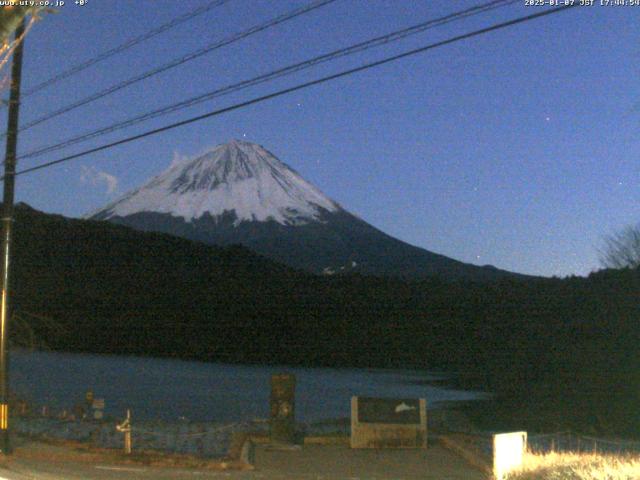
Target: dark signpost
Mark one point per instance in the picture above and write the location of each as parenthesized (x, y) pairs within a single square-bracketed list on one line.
[(282, 403)]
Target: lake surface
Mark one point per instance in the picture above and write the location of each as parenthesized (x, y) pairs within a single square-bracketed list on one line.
[(161, 389)]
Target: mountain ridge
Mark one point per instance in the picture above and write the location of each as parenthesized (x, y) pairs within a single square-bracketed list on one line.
[(240, 193), (96, 287)]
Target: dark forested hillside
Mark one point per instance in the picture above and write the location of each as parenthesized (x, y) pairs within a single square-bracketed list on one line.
[(557, 352)]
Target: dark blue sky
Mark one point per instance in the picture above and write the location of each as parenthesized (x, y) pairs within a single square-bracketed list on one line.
[(518, 148)]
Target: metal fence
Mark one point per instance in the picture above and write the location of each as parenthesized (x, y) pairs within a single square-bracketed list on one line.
[(565, 442), (208, 440), (574, 443)]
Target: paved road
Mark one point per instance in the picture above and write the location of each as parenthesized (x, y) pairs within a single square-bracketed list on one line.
[(307, 463), (335, 462)]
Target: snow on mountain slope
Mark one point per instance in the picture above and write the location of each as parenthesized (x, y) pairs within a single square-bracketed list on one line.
[(239, 193), (238, 177)]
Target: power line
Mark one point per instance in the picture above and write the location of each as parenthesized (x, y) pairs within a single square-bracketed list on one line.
[(295, 88), (294, 68), (124, 46), (179, 61), (362, 46)]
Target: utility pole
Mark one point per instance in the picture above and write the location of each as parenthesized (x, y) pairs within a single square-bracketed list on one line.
[(7, 220)]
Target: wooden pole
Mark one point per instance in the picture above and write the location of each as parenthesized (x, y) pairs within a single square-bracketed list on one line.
[(7, 221), (127, 434)]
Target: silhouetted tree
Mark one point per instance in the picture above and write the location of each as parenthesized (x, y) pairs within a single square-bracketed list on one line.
[(622, 249)]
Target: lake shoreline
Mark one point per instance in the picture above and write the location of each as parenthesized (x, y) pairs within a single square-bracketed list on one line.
[(154, 388)]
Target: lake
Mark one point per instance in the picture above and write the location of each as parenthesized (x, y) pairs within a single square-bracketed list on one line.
[(163, 389)]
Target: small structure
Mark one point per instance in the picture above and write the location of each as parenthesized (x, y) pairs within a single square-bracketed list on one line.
[(508, 452), (282, 427), (388, 422)]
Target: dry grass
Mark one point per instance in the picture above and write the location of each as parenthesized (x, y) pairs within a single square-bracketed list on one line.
[(574, 466)]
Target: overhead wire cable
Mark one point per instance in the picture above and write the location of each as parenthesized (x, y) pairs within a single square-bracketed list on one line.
[(75, 69), (178, 61), (301, 86), (288, 70)]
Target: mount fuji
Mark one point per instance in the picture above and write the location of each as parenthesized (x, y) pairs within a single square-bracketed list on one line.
[(240, 193)]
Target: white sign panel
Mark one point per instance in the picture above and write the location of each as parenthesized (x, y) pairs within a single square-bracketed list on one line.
[(508, 452)]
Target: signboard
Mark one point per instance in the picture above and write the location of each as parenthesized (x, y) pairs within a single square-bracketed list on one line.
[(388, 422), (388, 410)]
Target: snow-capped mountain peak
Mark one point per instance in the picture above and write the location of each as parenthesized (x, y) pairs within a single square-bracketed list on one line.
[(238, 177), (239, 193)]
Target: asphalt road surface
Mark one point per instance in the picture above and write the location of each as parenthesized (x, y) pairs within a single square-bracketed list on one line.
[(306, 463)]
